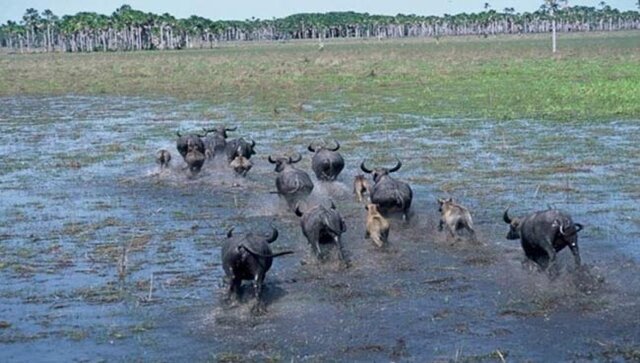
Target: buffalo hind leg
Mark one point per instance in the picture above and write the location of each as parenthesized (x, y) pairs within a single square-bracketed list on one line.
[(233, 294), (341, 256), (258, 285)]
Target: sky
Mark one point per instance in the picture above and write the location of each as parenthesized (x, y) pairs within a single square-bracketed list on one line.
[(267, 9)]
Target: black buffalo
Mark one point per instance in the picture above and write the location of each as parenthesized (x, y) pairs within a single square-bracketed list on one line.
[(239, 147), (291, 182), (216, 143), (543, 234), (389, 194), (248, 257), (322, 225), (241, 165), (327, 163), (194, 157), (163, 157), (196, 140)]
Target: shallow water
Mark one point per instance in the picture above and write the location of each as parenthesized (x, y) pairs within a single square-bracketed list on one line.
[(105, 257)]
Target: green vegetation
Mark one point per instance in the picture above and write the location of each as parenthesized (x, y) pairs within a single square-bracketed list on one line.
[(130, 29), (592, 77)]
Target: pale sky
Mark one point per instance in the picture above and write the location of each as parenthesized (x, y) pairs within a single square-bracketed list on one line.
[(267, 9)]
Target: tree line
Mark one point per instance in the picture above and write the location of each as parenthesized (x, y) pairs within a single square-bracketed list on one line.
[(128, 29)]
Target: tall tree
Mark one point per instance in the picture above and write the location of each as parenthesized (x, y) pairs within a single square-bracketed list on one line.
[(31, 19), (552, 7), (133, 30)]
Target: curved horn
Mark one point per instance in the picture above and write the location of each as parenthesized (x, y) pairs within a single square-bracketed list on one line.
[(230, 232), (310, 148), (579, 227), (364, 168), (253, 143), (271, 160), (298, 211), (337, 145), (505, 217), (178, 133), (561, 229), (274, 235), (206, 130), (293, 161), (231, 128), (333, 206), (397, 167)]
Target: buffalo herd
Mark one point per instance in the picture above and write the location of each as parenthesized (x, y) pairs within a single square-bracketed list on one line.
[(249, 257)]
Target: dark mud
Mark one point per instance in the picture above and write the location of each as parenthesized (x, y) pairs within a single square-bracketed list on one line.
[(104, 257)]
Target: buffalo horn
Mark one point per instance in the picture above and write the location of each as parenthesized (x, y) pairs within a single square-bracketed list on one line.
[(271, 160), (293, 161), (178, 133), (274, 235), (310, 148), (230, 232), (337, 146), (579, 227), (253, 143), (397, 167), (364, 168), (231, 128), (505, 217)]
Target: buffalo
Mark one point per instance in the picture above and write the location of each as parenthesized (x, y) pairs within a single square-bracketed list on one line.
[(389, 194), (240, 147), (291, 182), (377, 226), (217, 143), (194, 157), (456, 218), (326, 163), (163, 157), (322, 225), (196, 140), (543, 234), (248, 257), (361, 186), (241, 165)]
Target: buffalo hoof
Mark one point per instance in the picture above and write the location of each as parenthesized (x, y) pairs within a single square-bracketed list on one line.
[(231, 302), (258, 309)]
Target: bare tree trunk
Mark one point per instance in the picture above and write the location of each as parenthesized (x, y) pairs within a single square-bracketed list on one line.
[(553, 35)]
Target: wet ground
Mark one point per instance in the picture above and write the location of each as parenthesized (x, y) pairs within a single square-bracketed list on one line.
[(104, 257)]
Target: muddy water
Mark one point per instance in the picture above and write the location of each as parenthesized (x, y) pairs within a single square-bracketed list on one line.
[(105, 257)]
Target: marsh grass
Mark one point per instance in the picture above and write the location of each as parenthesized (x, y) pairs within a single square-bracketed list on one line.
[(594, 76)]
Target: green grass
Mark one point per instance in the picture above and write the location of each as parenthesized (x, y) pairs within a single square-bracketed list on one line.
[(592, 77)]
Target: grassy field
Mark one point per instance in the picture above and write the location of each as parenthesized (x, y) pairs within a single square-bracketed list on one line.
[(593, 77)]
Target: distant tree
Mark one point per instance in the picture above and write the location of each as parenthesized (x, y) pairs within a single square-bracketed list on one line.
[(552, 7), (31, 20), (128, 29), (49, 20)]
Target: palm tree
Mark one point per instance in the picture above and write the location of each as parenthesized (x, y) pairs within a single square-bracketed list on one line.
[(31, 19), (552, 7), (49, 19), (129, 29)]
